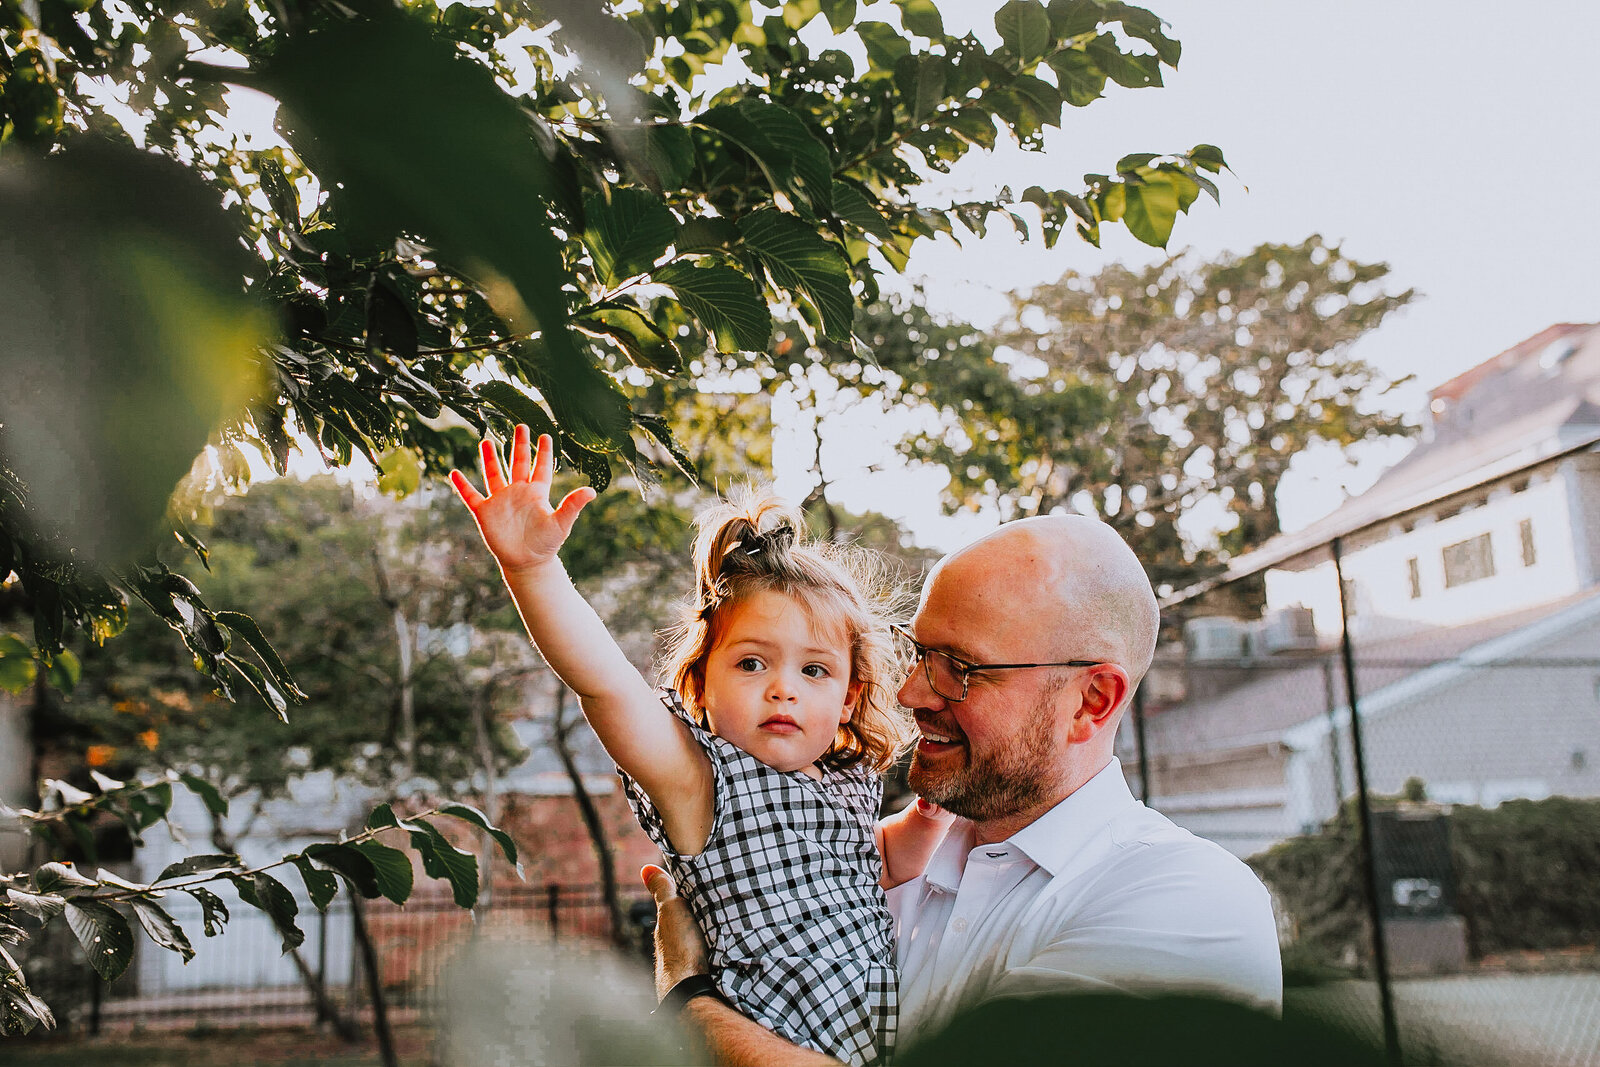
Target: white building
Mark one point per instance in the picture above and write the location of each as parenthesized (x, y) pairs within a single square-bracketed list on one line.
[(1472, 572)]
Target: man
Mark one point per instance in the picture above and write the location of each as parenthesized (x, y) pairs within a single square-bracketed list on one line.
[(1029, 643)]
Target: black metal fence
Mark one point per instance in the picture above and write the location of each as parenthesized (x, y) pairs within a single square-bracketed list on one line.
[(241, 977), (1456, 905)]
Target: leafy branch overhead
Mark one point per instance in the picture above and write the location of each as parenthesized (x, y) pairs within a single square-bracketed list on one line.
[(102, 911), (460, 229)]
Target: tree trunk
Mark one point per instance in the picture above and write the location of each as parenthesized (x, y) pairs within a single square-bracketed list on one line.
[(405, 640), (561, 741), (491, 795), (369, 962), (222, 841)]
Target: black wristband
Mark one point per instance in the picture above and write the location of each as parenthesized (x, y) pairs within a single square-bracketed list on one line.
[(696, 985)]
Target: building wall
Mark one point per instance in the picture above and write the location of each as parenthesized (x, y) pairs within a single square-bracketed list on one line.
[(1379, 569)]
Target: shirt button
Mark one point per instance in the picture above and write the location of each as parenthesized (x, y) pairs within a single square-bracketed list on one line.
[(959, 926)]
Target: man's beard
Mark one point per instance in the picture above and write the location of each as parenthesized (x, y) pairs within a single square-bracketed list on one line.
[(996, 784)]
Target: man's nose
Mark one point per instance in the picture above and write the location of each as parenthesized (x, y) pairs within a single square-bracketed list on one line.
[(915, 692)]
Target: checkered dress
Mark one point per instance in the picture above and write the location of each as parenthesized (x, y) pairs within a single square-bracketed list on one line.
[(786, 893)]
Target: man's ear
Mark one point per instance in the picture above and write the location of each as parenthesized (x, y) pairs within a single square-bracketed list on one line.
[(1102, 692)]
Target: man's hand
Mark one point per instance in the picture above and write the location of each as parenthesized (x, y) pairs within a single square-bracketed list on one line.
[(680, 947)]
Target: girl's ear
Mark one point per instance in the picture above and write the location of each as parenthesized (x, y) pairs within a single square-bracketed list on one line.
[(852, 696)]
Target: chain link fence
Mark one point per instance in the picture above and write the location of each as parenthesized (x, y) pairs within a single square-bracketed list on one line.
[(1482, 781)]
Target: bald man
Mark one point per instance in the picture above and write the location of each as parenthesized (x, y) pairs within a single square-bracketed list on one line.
[(1028, 644)]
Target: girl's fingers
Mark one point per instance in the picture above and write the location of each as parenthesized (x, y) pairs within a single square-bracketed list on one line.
[(469, 496), (544, 463), (521, 460), (494, 478), (571, 504)]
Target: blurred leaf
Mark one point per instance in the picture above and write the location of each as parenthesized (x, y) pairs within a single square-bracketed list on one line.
[(209, 795), (399, 473), (42, 906), (120, 283), (200, 864), (17, 666), (54, 877)]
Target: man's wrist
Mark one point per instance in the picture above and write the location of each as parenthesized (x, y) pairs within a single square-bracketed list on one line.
[(687, 989)]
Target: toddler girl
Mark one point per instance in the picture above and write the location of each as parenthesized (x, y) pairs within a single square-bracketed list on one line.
[(757, 772)]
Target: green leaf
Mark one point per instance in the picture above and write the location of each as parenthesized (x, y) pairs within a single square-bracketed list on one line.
[(1151, 210), (628, 230), (54, 877), (209, 795), (269, 693), (42, 906), (886, 46), (640, 339), (399, 473), (800, 261), (390, 868), (459, 172), (441, 859), (669, 151), (591, 411), (851, 205), (105, 935), (279, 190), (244, 626), (213, 912), (321, 885), (17, 666), (65, 671), (839, 13), (792, 159), (477, 818), (519, 407), (921, 80), (1207, 157), (261, 890), (161, 927), (350, 862), (214, 861), (706, 233), (920, 17), (725, 302), (1024, 28)]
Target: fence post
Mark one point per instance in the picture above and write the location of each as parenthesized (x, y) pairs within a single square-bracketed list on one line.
[(1333, 735), (553, 909), (1380, 949), (322, 965)]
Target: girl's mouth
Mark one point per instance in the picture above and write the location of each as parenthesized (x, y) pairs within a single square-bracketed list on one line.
[(780, 724)]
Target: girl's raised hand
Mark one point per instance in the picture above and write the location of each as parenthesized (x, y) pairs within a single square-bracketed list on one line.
[(516, 519)]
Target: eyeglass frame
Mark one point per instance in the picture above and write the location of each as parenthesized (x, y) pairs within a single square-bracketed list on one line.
[(965, 669)]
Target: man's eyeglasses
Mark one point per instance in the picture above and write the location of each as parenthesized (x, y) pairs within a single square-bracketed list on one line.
[(948, 675)]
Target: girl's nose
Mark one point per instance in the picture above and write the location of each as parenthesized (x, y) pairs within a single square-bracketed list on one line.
[(780, 689)]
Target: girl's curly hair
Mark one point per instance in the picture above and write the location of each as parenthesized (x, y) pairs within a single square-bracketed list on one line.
[(755, 542)]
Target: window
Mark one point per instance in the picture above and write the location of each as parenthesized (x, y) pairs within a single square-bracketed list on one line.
[(1530, 555), (1414, 572), (1467, 561)]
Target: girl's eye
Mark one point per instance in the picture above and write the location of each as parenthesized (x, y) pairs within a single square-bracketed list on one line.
[(815, 670), (749, 663)]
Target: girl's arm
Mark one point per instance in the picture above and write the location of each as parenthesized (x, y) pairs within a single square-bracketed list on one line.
[(909, 838), (640, 734)]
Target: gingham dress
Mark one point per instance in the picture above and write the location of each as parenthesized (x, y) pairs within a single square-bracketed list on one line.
[(786, 892)]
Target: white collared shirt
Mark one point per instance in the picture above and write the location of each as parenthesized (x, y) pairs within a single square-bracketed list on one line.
[(1099, 893)]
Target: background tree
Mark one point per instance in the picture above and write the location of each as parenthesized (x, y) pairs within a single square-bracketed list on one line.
[(1142, 396)]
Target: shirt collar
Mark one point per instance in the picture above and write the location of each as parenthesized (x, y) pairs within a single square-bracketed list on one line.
[(1055, 837)]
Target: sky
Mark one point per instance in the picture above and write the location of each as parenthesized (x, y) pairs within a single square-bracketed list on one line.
[(1457, 142)]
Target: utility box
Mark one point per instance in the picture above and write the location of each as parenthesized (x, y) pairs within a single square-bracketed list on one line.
[(1417, 892)]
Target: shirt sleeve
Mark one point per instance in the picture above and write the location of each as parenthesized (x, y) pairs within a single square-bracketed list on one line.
[(1189, 923)]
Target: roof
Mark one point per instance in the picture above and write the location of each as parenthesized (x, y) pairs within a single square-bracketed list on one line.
[(1287, 694), (1533, 402)]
